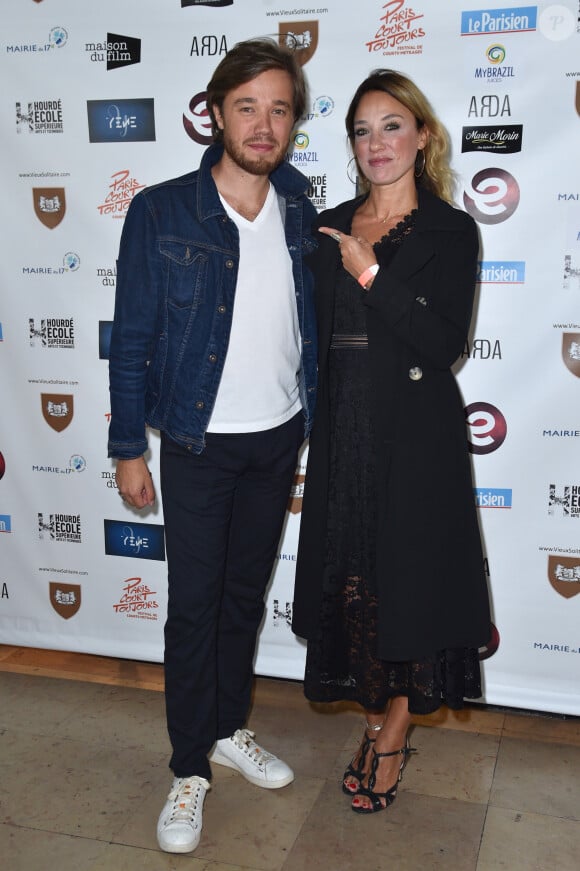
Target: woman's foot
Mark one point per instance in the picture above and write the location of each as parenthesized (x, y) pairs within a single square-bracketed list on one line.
[(379, 788), (360, 765)]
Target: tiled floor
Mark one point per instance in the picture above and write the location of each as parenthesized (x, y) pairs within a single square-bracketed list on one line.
[(83, 774)]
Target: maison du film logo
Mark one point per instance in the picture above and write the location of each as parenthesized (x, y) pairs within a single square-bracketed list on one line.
[(486, 427), (492, 197), (564, 500), (51, 333), (40, 116), (122, 188), (117, 51), (197, 123), (121, 120), (5, 523), (400, 31), (137, 600), (301, 37), (64, 528)]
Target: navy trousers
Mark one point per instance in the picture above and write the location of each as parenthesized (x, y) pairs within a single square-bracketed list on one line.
[(223, 511)]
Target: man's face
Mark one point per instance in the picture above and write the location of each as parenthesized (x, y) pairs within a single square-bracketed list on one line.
[(257, 119)]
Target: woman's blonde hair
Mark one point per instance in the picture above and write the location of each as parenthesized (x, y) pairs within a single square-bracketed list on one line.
[(436, 175)]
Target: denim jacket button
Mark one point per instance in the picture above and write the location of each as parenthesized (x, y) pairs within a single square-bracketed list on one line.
[(415, 373), (221, 309), (199, 404), (212, 358), (229, 264)]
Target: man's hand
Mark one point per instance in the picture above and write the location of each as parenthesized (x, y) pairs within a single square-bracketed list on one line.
[(135, 483)]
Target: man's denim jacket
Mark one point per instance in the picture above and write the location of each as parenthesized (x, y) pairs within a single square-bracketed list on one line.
[(176, 281)]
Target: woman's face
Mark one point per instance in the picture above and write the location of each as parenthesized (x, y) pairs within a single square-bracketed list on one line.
[(386, 139)]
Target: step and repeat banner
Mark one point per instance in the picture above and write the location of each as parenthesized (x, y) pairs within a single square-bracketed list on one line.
[(102, 99)]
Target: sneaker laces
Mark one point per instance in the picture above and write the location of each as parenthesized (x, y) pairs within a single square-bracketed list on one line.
[(185, 795), (244, 740)]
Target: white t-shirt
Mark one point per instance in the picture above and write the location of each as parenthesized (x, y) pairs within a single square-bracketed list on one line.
[(259, 385)]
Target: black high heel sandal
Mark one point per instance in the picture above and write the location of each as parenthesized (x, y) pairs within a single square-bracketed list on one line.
[(391, 794), (357, 773)]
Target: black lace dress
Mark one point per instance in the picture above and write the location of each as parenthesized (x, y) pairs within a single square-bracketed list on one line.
[(341, 662)]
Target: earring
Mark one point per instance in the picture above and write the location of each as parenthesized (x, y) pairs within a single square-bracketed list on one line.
[(348, 168), (422, 170)]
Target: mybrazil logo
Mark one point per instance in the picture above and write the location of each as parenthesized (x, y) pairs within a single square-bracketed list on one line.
[(138, 540), (517, 19)]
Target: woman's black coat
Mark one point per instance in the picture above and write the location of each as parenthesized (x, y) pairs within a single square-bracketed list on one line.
[(430, 573)]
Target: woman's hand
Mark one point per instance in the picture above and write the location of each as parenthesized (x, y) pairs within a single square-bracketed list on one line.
[(357, 254)]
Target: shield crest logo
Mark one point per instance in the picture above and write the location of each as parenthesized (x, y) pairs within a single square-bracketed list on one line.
[(65, 599), (571, 352), (296, 494), (49, 206), (57, 409), (300, 37), (564, 575)]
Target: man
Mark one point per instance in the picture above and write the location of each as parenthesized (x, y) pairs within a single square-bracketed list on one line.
[(213, 344)]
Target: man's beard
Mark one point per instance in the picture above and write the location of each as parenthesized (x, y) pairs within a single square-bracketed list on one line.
[(258, 165)]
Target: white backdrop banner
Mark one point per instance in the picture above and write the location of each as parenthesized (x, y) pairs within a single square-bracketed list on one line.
[(102, 99)]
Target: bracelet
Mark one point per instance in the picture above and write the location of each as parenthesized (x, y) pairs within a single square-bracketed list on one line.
[(366, 276)]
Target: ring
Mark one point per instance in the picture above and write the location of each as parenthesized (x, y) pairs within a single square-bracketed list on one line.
[(335, 236)]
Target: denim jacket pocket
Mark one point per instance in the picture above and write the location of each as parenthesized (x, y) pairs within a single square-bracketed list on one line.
[(185, 273)]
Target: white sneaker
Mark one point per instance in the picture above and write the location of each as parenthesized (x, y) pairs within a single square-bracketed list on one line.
[(261, 768), (180, 821)]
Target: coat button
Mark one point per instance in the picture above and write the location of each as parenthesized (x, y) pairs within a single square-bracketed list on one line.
[(416, 373)]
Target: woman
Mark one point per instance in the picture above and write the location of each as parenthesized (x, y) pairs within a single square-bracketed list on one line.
[(390, 585)]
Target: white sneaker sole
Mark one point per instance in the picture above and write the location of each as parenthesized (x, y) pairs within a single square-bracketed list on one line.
[(218, 758), (177, 848)]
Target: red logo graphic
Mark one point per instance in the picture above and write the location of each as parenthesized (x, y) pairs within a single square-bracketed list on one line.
[(493, 197), (486, 427), (2, 466), (492, 645), (199, 126)]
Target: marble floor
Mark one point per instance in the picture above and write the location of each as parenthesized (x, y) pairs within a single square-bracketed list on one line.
[(83, 762)]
